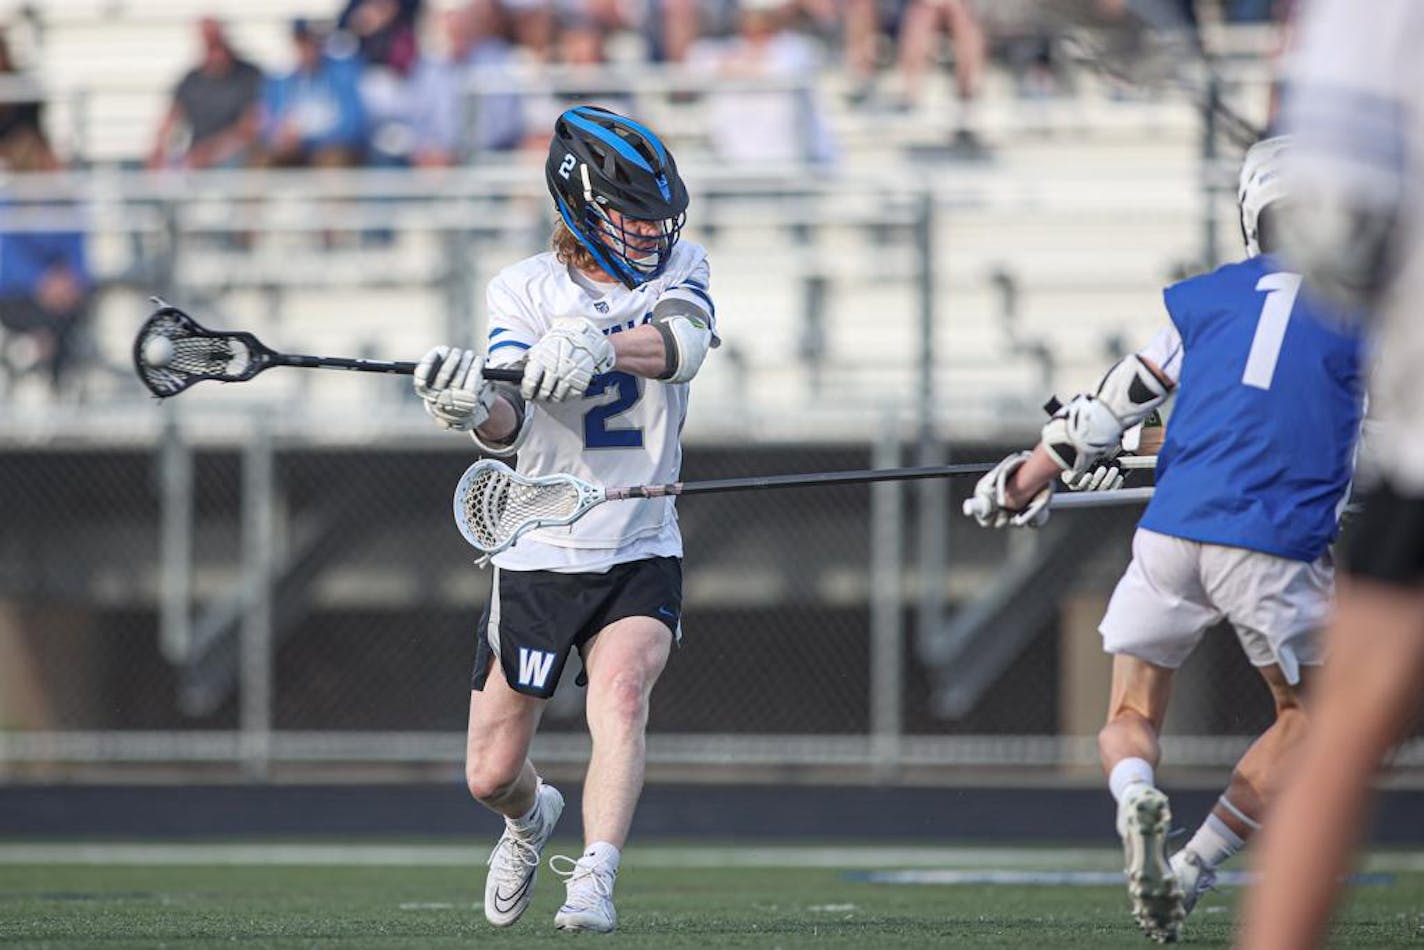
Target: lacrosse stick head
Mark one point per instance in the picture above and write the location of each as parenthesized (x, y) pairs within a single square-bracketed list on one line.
[(172, 351), (495, 505)]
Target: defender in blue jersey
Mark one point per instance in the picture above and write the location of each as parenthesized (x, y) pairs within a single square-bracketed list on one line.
[(1251, 481)]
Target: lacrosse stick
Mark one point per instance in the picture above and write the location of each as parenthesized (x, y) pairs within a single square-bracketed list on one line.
[(495, 505), (173, 351)]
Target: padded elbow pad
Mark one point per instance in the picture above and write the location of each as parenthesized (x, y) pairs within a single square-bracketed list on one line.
[(1130, 391), (687, 336)]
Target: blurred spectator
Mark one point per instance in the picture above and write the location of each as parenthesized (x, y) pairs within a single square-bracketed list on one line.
[(672, 27), (475, 50), (920, 27), (533, 26), (212, 121), (22, 141), (781, 123), (861, 51), (584, 77), (313, 115), (1026, 38), (45, 283), (538, 25), (384, 31)]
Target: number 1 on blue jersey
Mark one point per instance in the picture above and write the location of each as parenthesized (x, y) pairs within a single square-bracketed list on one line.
[(1281, 289)]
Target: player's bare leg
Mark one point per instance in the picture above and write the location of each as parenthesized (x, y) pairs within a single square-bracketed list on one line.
[(501, 777), (623, 662), (1129, 749), (1236, 817), (1368, 692)]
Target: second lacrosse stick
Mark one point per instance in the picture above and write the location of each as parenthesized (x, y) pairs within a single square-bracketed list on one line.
[(495, 505)]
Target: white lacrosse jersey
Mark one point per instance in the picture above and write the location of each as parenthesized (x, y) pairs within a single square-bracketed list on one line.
[(625, 431)]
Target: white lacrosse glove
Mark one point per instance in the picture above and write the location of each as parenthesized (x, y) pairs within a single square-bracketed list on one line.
[(451, 382), (990, 508), (1103, 478), (1082, 433), (565, 360)]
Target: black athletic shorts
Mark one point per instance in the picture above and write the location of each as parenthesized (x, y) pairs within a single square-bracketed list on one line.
[(534, 618), (1386, 541)]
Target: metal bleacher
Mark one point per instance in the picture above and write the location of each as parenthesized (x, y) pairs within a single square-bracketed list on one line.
[(1088, 206)]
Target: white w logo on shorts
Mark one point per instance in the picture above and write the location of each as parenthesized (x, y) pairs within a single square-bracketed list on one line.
[(534, 666)]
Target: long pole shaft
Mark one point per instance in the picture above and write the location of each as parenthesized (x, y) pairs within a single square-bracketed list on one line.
[(824, 478)]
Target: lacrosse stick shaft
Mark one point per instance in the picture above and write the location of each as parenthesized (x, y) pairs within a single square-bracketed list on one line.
[(505, 375), (1084, 499), (827, 478), (1101, 499)]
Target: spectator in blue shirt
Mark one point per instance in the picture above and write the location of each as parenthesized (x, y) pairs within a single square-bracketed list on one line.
[(45, 288), (476, 67), (313, 115)]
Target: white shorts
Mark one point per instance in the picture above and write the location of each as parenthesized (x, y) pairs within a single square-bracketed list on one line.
[(1175, 589)]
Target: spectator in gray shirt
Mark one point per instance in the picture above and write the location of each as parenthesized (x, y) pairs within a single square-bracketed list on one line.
[(213, 120)]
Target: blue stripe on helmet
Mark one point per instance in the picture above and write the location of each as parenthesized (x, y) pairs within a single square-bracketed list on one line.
[(608, 138), (601, 255), (647, 133)]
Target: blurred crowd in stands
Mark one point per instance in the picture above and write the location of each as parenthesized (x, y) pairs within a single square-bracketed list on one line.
[(402, 83), (406, 83)]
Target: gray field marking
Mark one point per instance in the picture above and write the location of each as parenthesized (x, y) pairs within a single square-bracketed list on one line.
[(846, 858)]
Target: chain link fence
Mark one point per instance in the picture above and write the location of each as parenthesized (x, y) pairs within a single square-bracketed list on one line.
[(266, 576), (348, 633)]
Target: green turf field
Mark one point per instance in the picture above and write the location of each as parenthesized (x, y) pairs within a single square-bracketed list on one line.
[(668, 897)]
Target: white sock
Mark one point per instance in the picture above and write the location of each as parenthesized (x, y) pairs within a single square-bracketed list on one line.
[(601, 852), (527, 821), (1214, 842), (1128, 772)]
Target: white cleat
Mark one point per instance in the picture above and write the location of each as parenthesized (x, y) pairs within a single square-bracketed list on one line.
[(514, 862), (1193, 877), (588, 904), (1143, 819)]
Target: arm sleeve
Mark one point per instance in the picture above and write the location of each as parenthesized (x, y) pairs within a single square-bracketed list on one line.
[(1165, 350)]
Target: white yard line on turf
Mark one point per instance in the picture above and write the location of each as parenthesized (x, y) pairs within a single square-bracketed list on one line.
[(848, 857)]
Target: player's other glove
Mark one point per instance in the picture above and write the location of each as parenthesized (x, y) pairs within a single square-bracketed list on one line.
[(991, 509), (452, 385), (1102, 478), (564, 361)]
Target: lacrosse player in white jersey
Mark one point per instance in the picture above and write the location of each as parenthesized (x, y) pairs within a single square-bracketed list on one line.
[(1255, 468), (1354, 101), (610, 326)]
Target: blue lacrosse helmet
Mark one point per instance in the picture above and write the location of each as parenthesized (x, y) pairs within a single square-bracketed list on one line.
[(600, 161)]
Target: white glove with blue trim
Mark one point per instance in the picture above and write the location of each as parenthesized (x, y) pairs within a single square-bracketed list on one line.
[(565, 360)]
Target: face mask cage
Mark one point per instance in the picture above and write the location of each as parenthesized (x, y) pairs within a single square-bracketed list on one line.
[(643, 246)]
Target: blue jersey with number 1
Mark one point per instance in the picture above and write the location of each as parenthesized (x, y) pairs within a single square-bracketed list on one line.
[(1260, 445)]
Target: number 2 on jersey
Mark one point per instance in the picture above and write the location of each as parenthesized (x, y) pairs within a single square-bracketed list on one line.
[(1281, 289), (596, 433)]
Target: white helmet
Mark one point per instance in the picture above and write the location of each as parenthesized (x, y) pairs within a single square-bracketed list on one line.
[(1261, 184)]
